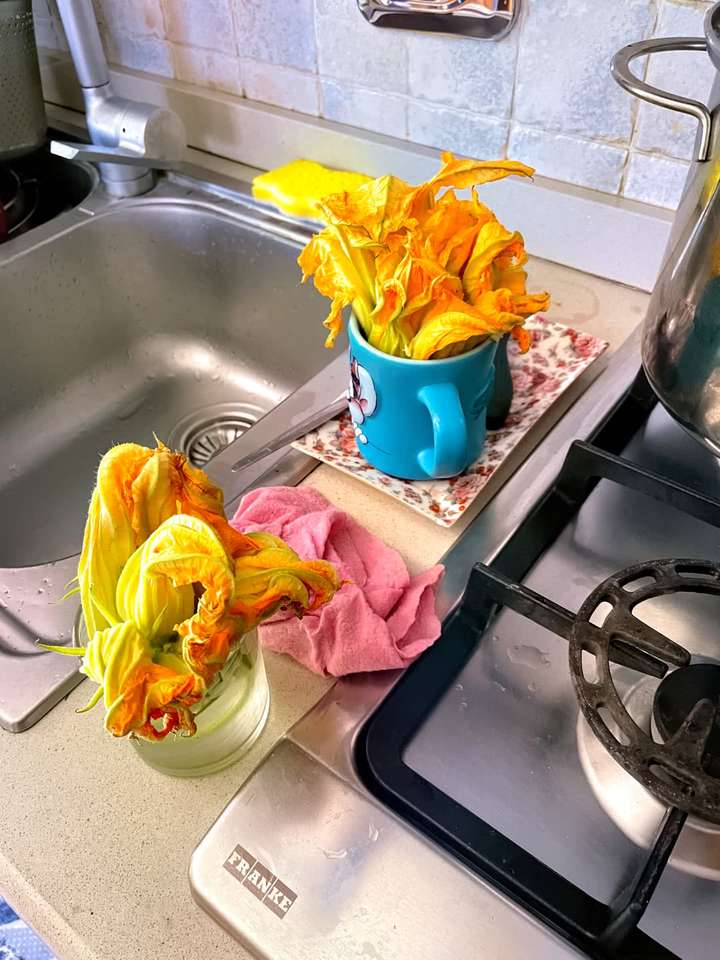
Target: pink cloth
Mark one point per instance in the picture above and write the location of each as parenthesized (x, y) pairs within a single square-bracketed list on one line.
[(382, 619)]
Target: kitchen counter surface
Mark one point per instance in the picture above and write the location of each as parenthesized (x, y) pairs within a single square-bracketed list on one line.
[(95, 846)]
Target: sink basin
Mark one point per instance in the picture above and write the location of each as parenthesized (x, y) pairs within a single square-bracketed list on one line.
[(178, 314)]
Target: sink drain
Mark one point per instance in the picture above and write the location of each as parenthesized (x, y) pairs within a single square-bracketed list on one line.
[(212, 438), (203, 434)]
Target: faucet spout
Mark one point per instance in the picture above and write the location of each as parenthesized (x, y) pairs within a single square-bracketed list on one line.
[(133, 139), (83, 36)]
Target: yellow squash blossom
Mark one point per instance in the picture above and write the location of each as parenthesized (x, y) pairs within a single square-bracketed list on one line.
[(403, 257), (169, 588)]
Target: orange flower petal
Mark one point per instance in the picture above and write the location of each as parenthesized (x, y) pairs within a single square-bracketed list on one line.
[(152, 691), (523, 337), (451, 321), (275, 577), (492, 241)]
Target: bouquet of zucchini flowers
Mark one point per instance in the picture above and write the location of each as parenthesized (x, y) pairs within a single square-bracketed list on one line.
[(169, 588), (428, 274)]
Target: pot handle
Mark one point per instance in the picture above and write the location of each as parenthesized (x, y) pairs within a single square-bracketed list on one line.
[(645, 91)]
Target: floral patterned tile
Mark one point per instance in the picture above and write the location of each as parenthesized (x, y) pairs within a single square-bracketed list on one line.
[(556, 359)]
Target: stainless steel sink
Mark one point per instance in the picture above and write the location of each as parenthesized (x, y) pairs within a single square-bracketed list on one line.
[(178, 314)]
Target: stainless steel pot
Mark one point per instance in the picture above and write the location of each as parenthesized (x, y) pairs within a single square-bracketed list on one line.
[(681, 335), (22, 111)]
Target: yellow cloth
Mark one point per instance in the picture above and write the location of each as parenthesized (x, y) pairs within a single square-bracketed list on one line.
[(297, 187)]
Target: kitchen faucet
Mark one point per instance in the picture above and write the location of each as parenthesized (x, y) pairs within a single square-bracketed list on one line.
[(130, 139)]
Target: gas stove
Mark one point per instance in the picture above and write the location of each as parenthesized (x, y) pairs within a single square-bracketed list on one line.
[(19, 200), (544, 782), (36, 188)]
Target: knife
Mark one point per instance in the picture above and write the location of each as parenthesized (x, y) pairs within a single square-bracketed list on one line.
[(239, 465)]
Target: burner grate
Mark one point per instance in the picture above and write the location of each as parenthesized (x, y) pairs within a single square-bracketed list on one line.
[(675, 770)]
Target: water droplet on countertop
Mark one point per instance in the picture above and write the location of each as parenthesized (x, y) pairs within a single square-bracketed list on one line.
[(459, 688), (373, 832), (532, 687), (501, 688), (527, 656), (463, 705)]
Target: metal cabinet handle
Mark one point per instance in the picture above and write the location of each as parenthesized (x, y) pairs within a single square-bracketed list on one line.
[(645, 91)]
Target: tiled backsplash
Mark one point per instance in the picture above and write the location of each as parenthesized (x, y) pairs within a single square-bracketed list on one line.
[(543, 95)]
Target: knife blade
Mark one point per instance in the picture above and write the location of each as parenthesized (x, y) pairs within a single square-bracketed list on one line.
[(244, 461)]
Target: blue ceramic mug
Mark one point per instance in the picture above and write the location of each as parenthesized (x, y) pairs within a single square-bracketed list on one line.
[(419, 419)]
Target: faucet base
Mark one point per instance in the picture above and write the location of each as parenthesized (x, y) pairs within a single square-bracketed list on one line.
[(129, 188)]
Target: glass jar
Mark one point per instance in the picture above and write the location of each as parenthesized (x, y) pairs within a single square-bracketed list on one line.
[(230, 718)]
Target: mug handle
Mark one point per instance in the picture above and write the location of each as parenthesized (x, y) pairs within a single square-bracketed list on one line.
[(448, 456)]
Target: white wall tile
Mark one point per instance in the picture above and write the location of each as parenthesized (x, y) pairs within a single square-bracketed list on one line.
[(281, 86), (546, 86), (337, 8), (381, 112), (688, 74), (281, 31), (563, 79), (208, 68), (45, 35), (657, 180), (140, 53), (208, 24), (456, 130), (62, 43), (463, 73), (350, 49), (584, 162), (138, 18)]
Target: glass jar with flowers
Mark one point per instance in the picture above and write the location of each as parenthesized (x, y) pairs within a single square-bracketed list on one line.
[(171, 595)]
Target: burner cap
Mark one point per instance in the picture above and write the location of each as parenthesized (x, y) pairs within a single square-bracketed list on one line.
[(677, 695)]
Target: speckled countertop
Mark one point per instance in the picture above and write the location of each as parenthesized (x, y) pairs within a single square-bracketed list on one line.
[(95, 846)]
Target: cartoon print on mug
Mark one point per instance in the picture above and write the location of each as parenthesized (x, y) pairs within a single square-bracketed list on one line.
[(362, 399)]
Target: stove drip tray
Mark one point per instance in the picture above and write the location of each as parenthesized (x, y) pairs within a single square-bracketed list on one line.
[(631, 806)]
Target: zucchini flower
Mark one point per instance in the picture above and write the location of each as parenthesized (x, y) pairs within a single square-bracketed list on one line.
[(168, 594), (417, 264)]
